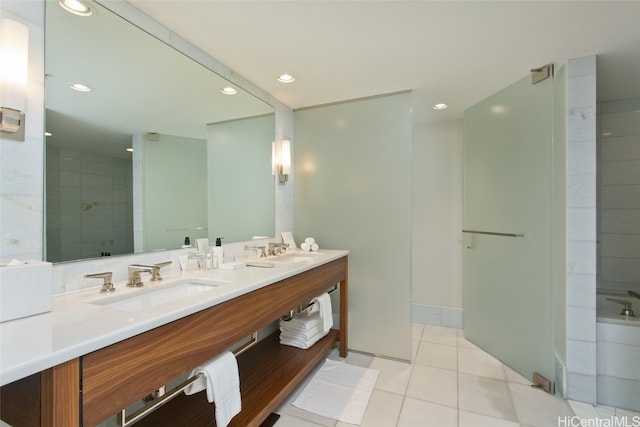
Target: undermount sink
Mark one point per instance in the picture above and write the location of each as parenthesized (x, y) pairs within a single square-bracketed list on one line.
[(147, 297), (294, 257)]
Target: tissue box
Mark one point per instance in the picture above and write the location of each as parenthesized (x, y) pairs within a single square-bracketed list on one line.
[(25, 289)]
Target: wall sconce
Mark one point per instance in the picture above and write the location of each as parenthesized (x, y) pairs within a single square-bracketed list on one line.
[(14, 57), (281, 160)]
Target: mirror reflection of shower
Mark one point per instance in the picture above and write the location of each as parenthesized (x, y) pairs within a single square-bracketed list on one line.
[(90, 204)]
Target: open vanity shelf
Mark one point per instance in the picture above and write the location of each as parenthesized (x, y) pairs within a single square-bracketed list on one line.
[(89, 389), (269, 372)]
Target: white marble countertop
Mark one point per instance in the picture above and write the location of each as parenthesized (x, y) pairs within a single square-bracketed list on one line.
[(78, 324)]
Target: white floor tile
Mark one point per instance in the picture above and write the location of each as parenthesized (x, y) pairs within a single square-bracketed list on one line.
[(434, 384), (415, 344), (393, 377), (451, 383), (383, 410), (289, 421), (605, 411), (471, 419), (437, 355), (629, 414), (463, 342), (418, 413), (583, 410), (477, 362), (537, 408), (309, 417), (514, 377), (486, 396), (416, 331), (440, 335)]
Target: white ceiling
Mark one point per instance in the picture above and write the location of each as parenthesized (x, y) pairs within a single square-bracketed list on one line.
[(457, 52)]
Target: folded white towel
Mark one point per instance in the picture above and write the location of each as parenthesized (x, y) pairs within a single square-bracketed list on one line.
[(285, 333), (326, 314), (302, 323), (220, 378), (301, 343)]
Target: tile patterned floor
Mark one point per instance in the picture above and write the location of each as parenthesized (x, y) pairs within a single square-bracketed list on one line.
[(452, 383)]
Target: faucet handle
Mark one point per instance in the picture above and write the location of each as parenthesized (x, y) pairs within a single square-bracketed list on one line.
[(155, 271), (626, 311), (107, 286)]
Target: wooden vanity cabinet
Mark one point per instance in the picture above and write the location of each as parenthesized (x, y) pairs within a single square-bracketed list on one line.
[(100, 384)]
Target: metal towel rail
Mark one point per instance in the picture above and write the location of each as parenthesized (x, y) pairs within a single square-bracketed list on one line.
[(164, 397), (303, 307), (494, 233)]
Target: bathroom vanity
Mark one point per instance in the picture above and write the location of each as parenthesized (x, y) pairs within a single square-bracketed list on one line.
[(103, 356)]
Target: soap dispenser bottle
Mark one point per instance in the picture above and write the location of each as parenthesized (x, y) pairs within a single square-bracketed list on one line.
[(218, 251)]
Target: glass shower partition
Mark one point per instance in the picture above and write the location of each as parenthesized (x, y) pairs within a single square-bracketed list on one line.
[(507, 262)]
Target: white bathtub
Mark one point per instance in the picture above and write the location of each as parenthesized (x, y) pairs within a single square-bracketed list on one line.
[(618, 352)]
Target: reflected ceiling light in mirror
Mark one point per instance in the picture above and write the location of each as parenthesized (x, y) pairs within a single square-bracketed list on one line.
[(286, 78), (130, 150), (80, 87), (14, 57), (47, 134), (77, 7), (229, 90), (440, 106)]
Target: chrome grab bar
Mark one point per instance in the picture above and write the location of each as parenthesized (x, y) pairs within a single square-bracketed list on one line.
[(163, 397), (494, 233)]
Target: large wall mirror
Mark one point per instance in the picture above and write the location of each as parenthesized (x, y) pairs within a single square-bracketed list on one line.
[(154, 152)]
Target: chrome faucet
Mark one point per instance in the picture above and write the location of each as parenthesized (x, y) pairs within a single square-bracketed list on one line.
[(277, 248), (135, 281), (107, 286), (626, 311), (154, 270)]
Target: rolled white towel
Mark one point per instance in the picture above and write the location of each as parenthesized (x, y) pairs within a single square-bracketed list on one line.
[(315, 247), (310, 241), (305, 247)]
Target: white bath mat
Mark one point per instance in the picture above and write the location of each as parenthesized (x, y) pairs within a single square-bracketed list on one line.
[(339, 391)]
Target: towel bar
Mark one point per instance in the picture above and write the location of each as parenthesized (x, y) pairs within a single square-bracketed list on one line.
[(494, 233), (303, 307), (164, 397)]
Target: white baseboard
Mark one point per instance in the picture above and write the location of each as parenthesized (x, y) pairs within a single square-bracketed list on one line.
[(437, 316)]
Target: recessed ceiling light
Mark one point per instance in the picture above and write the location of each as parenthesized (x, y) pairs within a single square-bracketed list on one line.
[(285, 78), (229, 90), (80, 87), (440, 106), (77, 7)]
